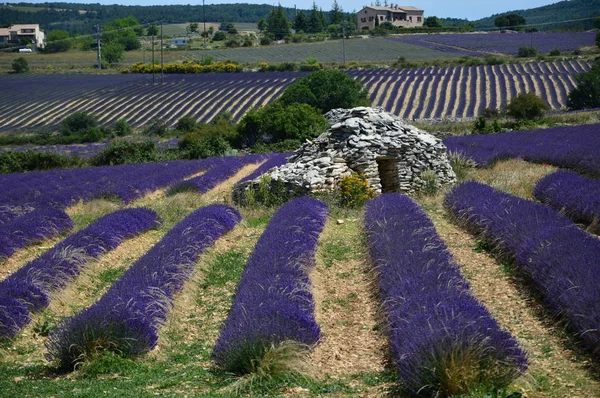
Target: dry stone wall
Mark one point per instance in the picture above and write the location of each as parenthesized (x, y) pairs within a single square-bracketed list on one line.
[(392, 154)]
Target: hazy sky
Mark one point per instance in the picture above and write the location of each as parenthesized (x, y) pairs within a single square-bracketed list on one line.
[(470, 9)]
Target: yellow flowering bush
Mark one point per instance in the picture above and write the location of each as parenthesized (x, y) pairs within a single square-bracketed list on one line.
[(355, 190)]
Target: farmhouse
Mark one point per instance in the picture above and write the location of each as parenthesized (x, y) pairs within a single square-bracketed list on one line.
[(405, 16), (22, 34)]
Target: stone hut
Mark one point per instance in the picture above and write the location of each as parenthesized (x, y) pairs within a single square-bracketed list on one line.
[(391, 154)]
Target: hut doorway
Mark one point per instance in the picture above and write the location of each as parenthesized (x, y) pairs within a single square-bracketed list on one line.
[(388, 175)]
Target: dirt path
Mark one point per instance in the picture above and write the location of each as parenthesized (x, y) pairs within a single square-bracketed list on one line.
[(345, 307)]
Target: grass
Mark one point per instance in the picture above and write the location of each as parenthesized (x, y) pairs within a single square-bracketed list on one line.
[(181, 364)]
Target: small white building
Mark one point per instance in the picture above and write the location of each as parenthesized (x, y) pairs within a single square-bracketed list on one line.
[(405, 16), (179, 42), (19, 34)]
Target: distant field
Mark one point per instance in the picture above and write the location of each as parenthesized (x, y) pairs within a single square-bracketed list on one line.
[(360, 50), (42, 101)]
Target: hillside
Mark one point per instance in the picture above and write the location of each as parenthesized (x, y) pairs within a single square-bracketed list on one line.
[(578, 13)]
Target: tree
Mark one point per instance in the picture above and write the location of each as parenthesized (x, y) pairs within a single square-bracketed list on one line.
[(336, 14), (598, 39), (587, 92), (277, 23), (279, 122), (316, 20), (57, 41), (123, 31), (433, 22), (193, 27), (113, 52), (509, 21), (525, 52), (78, 123), (326, 90), (152, 30), (20, 65), (301, 22), (526, 106), (261, 25)]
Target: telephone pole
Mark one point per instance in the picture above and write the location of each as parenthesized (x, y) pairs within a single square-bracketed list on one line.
[(204, 22), (98, 45), (162, 74)]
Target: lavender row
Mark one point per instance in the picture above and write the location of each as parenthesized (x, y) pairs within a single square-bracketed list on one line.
[(275, 160), (559, 259), (29, 288), (63, 188), (223, 169), (273, 302), (43, 223), (128, 316), (443, 340), (573, 147), (571, 194)]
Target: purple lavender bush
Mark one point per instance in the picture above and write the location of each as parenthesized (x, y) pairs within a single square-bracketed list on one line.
[(273, 302), (443, 340), (573, 147), (559, 260), (43, 223), (575, 196), (128, 316), (30, 287)]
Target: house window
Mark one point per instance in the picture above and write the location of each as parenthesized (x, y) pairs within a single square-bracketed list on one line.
[(381, 17), (418, 19), (370, 19), (365, 11), (363, 20)]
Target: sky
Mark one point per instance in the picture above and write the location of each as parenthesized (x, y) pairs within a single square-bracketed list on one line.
[(469, 9)]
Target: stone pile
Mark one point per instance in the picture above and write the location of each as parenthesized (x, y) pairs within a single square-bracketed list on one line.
[(392, 154)]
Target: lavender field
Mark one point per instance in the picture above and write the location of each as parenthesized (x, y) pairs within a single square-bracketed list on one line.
[(149, 279), (476, 44), (417, 93)]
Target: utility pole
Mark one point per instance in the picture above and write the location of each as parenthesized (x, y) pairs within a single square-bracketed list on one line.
[(98, 45), (162, 75), (204, 22), (153, 77), (344, 42)]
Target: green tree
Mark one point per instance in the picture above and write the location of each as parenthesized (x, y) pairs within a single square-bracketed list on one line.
[(336, 14), (112, 52), (316, 20), (598, 39), (301, 22), (509, 21), (433, 22), (78, 123), (123, 31), (326, 90), (20, 65), (526, 106), (193, 27), (261, 25), (587, 92), (277, 23), (122, 128), (57, 41), (278, 122), (152, 30)]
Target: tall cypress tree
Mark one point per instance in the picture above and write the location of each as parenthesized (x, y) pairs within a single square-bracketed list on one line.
[(316, 21), (301, 22), (277, 23), (336, 15)]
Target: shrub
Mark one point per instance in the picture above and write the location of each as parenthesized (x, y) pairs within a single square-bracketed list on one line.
[(355, 190), (186, 124), (326, 90), (277, 123), (200, 146), (555, 52), (525, 52), (78, 123), (20, 65), (122, 128), (219, 36), (587, 92), (123, 152), (526, 106), (157, 127), (18, 162), (481, 126)]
